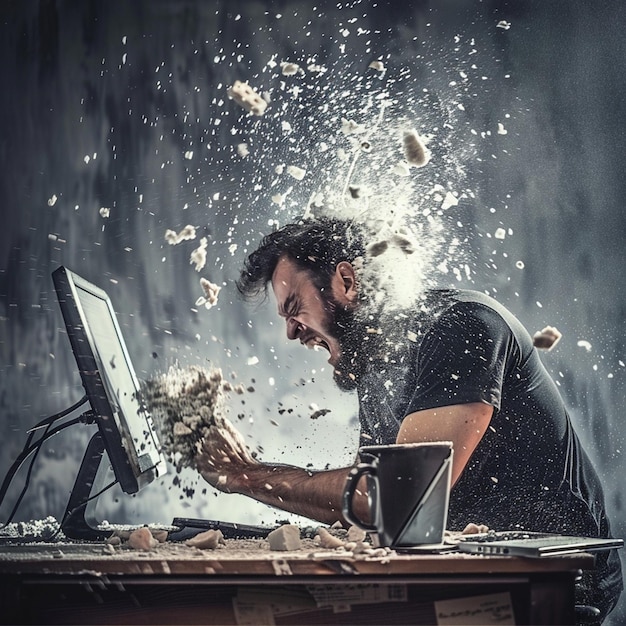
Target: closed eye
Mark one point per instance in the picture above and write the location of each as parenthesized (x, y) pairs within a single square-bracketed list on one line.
[(290, 308)]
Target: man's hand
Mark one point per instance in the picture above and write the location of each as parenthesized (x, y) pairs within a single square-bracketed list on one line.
[(223, 458)]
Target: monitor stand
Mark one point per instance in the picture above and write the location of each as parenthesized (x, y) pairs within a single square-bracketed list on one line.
[(79, 520)]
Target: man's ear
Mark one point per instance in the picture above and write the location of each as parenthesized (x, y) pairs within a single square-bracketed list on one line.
[(344, 283)]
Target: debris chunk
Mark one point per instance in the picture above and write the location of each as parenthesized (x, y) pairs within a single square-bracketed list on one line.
[(289, 69), (142, 539), (286, 537), (415, 151), (296, 172), (326, 540), (379, 66), (547, 338), (211, 291), (187, 233), (350, 127), (246, 97), (198, 256), (207, 540)]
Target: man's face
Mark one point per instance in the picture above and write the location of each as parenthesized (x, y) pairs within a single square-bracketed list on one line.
[(317, 320)]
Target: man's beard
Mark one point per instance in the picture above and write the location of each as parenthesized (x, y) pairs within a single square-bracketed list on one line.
[(351, 334)]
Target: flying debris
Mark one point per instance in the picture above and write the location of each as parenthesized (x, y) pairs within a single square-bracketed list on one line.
[(246, 97)]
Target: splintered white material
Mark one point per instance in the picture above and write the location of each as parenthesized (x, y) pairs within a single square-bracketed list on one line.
[(174, 238), (197, 258), (211, 291), (296, 172), (246, 97), (184, 404)]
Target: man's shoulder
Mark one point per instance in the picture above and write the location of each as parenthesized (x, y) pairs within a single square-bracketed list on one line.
[(442, 300), (460, 305)]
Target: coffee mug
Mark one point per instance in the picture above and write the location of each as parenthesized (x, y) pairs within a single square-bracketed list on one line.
[(408, 489)]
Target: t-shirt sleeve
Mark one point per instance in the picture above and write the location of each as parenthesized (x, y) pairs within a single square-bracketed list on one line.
[(463, 358)]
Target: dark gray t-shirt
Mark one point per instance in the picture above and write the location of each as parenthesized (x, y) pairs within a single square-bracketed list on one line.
[(529, 471)]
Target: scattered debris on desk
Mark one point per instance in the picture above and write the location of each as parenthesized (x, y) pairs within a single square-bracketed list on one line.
[(285, 537), (207, 540), (142, 539)]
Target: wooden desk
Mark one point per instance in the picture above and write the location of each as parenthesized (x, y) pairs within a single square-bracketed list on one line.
[(245, 583)]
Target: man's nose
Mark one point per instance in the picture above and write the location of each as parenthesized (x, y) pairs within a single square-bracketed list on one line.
[(294, 328)]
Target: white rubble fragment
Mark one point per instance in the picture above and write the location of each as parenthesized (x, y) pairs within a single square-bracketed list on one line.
[(501, 129), (411, 336), (211, 291), (181, 430), (253, 360), (197, 258), (285, 537), (314, 68), (279, 169), (342, 155), (52, 200), (246, 97), (289, 69), (415, 151), (584, 344), (279, 198), (546, 338), (356, 534), (379, 66), (450, 200), (242, 150), (189, 155), (207, 540), (503, 24), (142, 539), (350, 127), (401, 169), (104, 212), (500, 233), (296, 172), (326, 540), (174, 238)]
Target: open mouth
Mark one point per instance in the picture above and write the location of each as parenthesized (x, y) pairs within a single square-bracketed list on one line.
[(315, 343)]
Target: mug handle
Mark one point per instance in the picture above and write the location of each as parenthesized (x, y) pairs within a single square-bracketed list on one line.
[(348, 494)]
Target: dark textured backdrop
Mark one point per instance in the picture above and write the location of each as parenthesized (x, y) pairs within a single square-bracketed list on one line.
[(100, 102)]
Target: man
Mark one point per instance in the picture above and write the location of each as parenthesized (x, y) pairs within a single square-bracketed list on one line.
[(456, 366)]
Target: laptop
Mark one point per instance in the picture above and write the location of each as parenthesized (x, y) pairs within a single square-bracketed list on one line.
[(533, 544)]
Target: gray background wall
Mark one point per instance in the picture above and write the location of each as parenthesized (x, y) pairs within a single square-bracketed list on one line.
[(135, 86)]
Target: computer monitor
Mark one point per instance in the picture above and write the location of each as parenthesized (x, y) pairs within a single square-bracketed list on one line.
[(125, 428)]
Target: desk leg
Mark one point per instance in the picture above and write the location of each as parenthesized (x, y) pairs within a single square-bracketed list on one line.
[(552, 599)]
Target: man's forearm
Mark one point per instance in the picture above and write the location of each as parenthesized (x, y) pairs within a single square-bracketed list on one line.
[(316, 495)]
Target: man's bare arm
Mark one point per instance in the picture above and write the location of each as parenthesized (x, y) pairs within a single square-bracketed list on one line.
[(462, 424), (226, 463), (316, 495)]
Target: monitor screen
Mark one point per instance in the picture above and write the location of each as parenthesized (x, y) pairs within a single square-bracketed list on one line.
[(109, 380)]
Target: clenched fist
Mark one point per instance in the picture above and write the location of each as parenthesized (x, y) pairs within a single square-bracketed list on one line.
[(223, 458)]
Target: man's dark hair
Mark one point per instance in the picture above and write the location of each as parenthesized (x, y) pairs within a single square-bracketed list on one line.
[(316, 245)]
